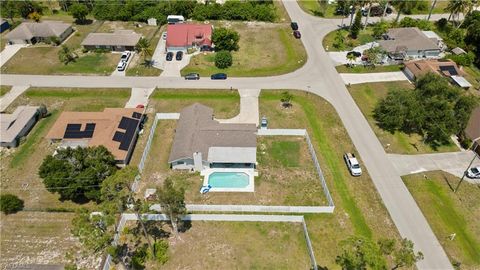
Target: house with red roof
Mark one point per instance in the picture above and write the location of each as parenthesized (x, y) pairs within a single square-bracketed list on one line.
[(184, 36)]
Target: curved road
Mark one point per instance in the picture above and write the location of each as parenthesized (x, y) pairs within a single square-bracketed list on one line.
[(318, 76)]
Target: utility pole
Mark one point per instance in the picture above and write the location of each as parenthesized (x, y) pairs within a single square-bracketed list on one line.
[(461, 180)]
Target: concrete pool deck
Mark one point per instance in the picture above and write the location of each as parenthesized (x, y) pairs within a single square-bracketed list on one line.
[(248, 171)]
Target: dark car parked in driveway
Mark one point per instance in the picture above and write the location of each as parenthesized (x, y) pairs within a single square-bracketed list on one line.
[(206, 48), (179, 55), (357, 54), (219, 76), (169, 56), (297, 34), (294, 25), (192, 76)]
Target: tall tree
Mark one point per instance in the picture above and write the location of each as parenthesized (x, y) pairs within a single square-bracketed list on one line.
[(225, 39), (79, 12), (9, 9), (455, 7), (143, 47), (369, 2), (94, 230), (172, 201), (115, 190), (357, 25)]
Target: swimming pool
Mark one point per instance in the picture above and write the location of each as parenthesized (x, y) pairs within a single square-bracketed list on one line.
[(228, 180)]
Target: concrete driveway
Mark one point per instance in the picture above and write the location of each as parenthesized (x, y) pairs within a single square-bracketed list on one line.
[(170, 68), (340, 58), (355, 78), (9, 97), (139, 96), (9, 52), (454, 163), (248, 108), (122, 73)]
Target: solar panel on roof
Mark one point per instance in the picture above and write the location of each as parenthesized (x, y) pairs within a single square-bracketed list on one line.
[(130, 126), (449, 69), (118, 136), (72, 131), (137, 115), (73, 126)]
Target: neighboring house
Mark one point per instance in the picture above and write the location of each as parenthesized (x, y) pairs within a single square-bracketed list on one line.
[(114, 128), (473, 129), (409, 43), (33, 32), (447, 68), (202, 142), (4, 25), (16, 125), (435, 38), (120, 40), (184, 36)]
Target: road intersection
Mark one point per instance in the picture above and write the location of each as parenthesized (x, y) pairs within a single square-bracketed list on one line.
[(317, 76)]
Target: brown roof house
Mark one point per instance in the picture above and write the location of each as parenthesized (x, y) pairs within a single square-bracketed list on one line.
[(447, 68), (473, 128), (18, 124), (409, 43), (120, 40), (114, 128), (202, 142), (33, 32)]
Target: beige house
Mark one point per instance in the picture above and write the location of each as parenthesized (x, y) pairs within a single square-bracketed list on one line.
[(16, 125), (33, 32), (473, 128), (409, 43), (202, 142), (120, 40)]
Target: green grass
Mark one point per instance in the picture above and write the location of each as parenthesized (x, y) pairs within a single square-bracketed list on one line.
[(449, 212), (363, 69), (286, 152), (367, 96), (97, 63), (142, 70), (313, 7), (364, 37), (195, 94), (264, 51), (4, 89), (473, 76), (68, 93)]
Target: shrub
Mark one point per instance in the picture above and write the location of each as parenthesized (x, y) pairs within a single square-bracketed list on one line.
[(465, 59), (223, 59), (442, 24), (10, 204), (161, 251)]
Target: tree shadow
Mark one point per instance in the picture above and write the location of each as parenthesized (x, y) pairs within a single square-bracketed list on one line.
[(83, 22), (445, 178), (184, 226)]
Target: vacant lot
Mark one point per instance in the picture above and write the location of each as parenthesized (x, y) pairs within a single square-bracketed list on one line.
[(367, 96), (35, 238), (358, 207), (450, 213), (367, 69), (265, 49), (238, 245), (364, 37), (19, 166)]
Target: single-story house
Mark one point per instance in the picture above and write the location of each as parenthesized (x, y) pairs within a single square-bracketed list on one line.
[(33, 32), (473, 129), (4, 25), (184, 36), (447, 68), (120, 40), (201, 142), (16, 125), (409, 43), (114, 128)]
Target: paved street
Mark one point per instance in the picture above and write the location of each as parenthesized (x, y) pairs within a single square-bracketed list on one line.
[(454, 163), (318, 76), (355, 78)]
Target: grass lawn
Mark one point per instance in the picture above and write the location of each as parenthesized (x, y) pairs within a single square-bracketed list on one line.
[(358, 207), (282, 14), (265, 49), (313, 7), (364, 69), (449, 213), (35, 237), (364, 37), (4, 89), (473, 76), (367, 96), (19, 166)]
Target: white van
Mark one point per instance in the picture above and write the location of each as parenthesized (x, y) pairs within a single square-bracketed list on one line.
[(173, 19)]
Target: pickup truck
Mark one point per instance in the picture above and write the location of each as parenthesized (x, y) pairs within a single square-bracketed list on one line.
[(352, 164)]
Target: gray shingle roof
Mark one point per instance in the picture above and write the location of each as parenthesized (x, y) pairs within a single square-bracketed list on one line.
[(12, 124), (27, 30), (409, 39), (197, 131), (117, 38)]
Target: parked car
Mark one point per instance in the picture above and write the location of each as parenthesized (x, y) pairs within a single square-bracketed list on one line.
[(297, 34), (169, 56), (140, 106), (294, 26), (206, 48), (473, 172), (121, 65), (125, 56), (219, 76), (192, 76), (357, 54), (179, 56), (352, 164)]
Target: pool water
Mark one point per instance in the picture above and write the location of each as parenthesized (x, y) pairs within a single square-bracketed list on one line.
[(228, 180)]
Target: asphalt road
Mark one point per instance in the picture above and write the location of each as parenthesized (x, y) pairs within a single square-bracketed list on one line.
[(318, 76)]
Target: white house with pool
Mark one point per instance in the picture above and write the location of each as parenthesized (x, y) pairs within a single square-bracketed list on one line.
[(225, 154)]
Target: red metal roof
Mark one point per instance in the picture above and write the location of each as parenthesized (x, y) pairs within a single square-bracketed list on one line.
[(183, 35)]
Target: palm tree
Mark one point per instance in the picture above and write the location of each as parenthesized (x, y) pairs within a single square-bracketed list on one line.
[(431, 9), (458, 6), (351, 58), (400, 6), (368, 13), (143, 47)]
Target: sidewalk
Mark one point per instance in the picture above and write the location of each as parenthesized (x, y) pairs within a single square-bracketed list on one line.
[(9, 52), (9, 97), (356, 78)]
